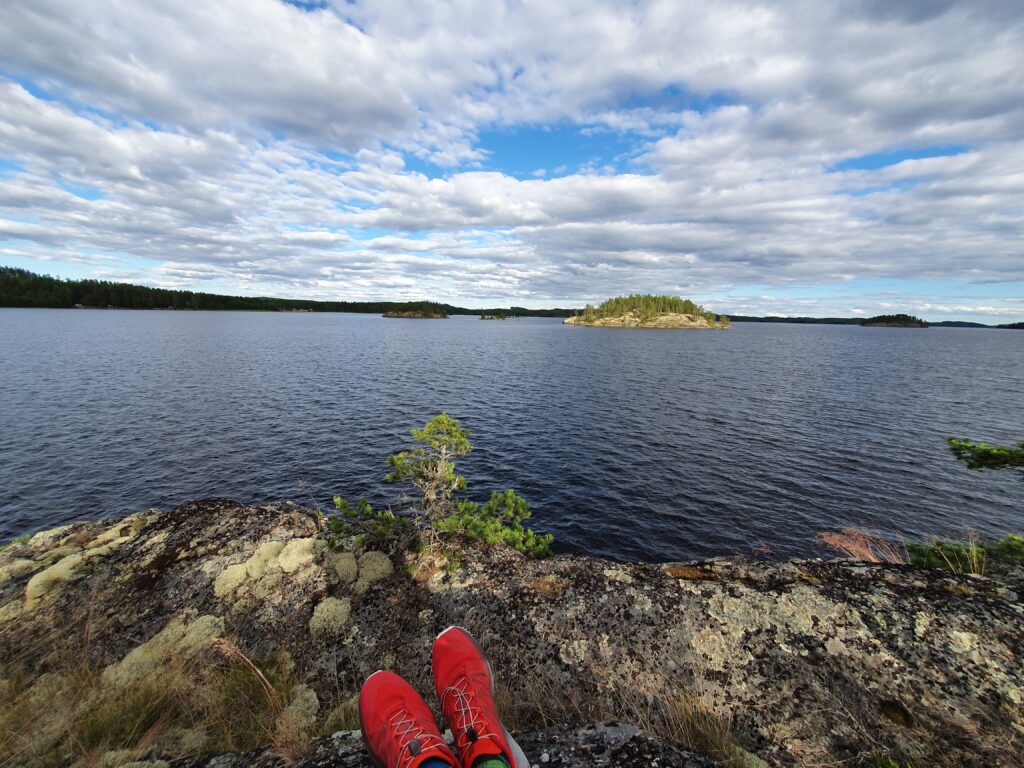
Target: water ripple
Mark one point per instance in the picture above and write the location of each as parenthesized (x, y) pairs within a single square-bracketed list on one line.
[(630, 444)]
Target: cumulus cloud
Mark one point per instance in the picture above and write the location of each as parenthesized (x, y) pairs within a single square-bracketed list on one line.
[(278, 148)]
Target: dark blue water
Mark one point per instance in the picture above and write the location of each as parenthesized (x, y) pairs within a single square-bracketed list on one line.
[(632, 444)]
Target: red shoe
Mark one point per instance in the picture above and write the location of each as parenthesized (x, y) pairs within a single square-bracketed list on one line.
[(398, 727), (465, 688)]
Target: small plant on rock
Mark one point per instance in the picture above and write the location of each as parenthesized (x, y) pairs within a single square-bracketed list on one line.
[(435, 507), (373, 529), (499, 521), (429, 467)]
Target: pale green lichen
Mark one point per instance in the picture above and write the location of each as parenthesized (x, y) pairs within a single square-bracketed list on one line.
[(344, 565), (264, 559), (10, 611), (55, 554), (17, 568), (181, 637), (46, 539), (229, 580), (297, 554), (117, 535), (302, 710), (257, 577), (50, 580), (330, 617), (373, 566)]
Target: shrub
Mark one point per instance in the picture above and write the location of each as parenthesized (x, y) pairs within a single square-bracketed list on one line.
[(430, 469), (499, 521), (982, 456), (374, 529)]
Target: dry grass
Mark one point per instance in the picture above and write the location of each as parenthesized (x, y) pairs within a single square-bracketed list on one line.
[(861, 545), (683, 718), (679, 716), (213, 702), (970, 557)]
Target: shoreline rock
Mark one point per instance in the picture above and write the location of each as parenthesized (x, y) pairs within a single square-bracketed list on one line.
[(810, 661), (415, 315), (633, 320)]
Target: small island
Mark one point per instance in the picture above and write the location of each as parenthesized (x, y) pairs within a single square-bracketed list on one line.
[(417, 314), (648, 312), (894, 321)]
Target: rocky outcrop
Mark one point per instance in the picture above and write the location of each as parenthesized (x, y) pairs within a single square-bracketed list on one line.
[(807, 662), (634, 320), (606, 745), (416, 314)]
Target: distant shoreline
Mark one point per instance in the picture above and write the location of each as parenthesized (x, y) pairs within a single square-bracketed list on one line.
[(21, 289)]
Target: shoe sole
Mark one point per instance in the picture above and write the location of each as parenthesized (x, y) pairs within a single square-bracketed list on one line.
[(517, 752), (362, 731)]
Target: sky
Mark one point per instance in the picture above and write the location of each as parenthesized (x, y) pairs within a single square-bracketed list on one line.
[(840, 158)]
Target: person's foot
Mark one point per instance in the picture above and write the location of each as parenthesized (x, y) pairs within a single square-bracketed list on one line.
[(465, 688), (398, 727)]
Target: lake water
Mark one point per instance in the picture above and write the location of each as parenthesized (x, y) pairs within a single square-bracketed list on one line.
[(652, 445)]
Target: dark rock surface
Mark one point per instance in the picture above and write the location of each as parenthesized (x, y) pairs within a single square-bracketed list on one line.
[(811, 662), (606, 745)]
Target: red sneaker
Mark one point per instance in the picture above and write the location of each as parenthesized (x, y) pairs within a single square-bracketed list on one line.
[(465, 688), (398, 727)]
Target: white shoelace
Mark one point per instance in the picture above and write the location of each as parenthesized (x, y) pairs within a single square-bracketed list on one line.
[(468, 715), (408, 732)]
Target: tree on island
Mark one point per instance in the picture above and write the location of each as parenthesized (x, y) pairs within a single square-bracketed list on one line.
[(900, 321), (648, 307)]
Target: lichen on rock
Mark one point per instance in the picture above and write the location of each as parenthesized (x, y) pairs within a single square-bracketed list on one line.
[(50, 579), (344, 565), (183, 636), (803, 658), (297, 554), (17, 568), (330, 617), (373, 566)]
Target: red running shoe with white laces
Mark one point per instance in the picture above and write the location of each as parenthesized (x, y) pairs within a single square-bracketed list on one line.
[(398, 727), (465, 688)]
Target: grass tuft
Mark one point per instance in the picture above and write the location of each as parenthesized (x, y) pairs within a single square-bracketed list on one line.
[(861, 545)]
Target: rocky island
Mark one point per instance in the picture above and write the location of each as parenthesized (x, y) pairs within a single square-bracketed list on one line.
[(216, 628), (648, 312), (417, 314), (894, 321)]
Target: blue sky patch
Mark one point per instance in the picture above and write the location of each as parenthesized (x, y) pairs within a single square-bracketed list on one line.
[(9, 167), (676, 98), (876, 160), (559, 150), (81, 190)]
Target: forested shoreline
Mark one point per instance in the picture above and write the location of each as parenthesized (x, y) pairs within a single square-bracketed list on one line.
[(21, 288)]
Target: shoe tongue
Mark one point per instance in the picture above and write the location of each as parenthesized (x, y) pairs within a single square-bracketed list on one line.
[(482, 745)]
